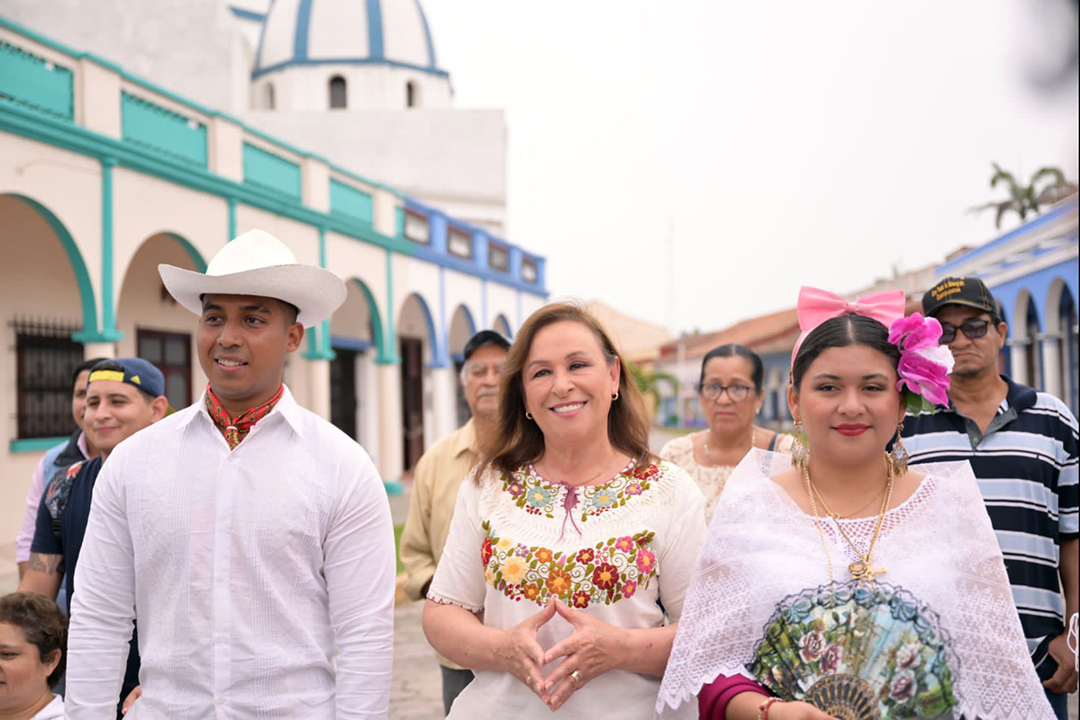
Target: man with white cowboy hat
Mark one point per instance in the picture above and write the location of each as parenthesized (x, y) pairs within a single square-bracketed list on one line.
[(250, 537)]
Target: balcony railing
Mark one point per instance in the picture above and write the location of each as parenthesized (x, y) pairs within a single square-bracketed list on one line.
[(156, 128), (272, 172), (32, 81)]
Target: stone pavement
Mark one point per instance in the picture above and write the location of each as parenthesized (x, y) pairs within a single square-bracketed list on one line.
[(416, 692)]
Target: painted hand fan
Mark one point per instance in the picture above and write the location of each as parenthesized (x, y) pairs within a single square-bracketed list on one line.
[(858, 653)]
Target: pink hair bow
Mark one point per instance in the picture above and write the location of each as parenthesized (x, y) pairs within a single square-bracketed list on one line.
[(816, 306)]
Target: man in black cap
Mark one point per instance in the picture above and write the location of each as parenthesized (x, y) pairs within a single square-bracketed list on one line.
[(1022, 446), (123, 396), (438, 476)]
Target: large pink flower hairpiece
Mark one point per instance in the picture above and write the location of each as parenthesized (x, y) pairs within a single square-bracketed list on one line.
[(815, 306), (924, 363)]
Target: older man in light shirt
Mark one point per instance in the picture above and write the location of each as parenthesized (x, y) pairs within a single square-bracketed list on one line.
[(438, 477), (251, 538)]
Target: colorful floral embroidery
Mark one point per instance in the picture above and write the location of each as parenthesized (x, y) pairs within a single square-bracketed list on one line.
[(605, 573), (536, 496)]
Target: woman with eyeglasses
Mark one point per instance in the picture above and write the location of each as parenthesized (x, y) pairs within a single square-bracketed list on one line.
[(730, 392)]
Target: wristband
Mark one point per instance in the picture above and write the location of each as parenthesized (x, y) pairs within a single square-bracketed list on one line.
[(763, 708)]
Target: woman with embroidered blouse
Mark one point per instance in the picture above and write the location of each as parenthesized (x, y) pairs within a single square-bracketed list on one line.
[(730, 394), (571, 548), (836, 583)]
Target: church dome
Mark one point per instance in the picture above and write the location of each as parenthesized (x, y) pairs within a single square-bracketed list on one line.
[(345, 32)]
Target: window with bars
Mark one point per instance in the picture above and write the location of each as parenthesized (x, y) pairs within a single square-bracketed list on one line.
[(46, 357), (171, 354)]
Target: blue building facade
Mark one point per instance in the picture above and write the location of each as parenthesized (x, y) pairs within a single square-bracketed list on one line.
[(1033, 272)]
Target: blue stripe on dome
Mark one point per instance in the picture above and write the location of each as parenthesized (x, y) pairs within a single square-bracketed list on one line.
[(375, 30), (262, 35), (303, 28), (256, 74), (247, 14), (427, 36)]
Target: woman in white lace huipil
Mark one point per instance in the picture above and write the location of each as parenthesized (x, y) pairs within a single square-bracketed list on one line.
[(571, 548), (850, 586), (730, 392)]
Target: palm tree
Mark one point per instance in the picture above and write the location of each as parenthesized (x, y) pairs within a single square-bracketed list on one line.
[(648, 381), (1025, 199)]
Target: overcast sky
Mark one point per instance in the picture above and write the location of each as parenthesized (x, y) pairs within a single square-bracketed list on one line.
[(768, 144)]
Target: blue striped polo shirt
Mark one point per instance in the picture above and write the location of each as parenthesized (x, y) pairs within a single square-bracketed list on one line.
[(1026, 464)]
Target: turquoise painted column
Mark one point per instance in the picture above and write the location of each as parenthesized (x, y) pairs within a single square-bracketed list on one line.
[(232, 219), (319, 340), (389, 354), (109, 333), (391, 422)]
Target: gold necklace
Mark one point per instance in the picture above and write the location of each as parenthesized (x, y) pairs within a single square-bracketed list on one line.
[(817, 524), (705, 446), (862, 569)]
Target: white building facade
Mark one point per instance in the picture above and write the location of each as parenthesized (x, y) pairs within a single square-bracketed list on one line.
[(104, 175)]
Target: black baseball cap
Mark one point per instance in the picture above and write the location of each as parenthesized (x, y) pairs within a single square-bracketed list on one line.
[(967, 291), (485, 337)]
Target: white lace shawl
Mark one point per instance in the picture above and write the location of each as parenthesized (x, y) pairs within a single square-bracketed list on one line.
[(939, 545)]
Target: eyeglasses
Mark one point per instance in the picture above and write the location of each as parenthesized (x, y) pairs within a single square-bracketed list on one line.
[(735, 393), (478, 370), (972, 329)]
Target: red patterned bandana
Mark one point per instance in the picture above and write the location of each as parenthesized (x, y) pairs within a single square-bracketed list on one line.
[(236, 429)]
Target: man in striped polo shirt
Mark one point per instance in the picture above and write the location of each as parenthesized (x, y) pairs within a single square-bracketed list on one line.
[(1022, 445)]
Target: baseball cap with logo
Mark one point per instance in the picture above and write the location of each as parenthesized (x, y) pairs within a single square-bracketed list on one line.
[(134, 371), (967, 291)]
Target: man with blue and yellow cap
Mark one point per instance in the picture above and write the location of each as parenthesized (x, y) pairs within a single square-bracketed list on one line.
[(123, 396)]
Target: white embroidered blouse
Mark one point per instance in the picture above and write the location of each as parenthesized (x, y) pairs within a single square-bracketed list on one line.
[(622, 552), (710, 479), (937, 546)]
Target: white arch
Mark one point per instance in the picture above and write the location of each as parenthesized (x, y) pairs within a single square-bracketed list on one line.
[(1053, 305), (1020, 328)]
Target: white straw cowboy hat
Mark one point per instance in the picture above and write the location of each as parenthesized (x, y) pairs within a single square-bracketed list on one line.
[(257, 263)]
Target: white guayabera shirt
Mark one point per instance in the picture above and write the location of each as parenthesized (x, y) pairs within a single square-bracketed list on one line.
[(247, 571)]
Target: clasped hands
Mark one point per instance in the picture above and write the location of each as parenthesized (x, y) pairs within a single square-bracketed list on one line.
[(594, 648)]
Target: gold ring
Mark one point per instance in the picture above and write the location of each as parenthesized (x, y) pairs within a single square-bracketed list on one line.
[(575, 677)]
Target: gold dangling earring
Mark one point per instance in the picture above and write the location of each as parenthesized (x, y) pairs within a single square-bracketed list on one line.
[(898, 457), (800, 449)]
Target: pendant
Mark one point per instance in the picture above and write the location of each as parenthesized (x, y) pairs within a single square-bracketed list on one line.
[(860, 570)]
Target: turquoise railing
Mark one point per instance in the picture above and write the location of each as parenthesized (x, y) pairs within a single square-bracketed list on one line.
[(34, 82), (164, 131), (350, 202), (272, 172)]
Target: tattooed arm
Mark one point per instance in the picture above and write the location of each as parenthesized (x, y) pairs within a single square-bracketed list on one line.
[(43, 575)]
